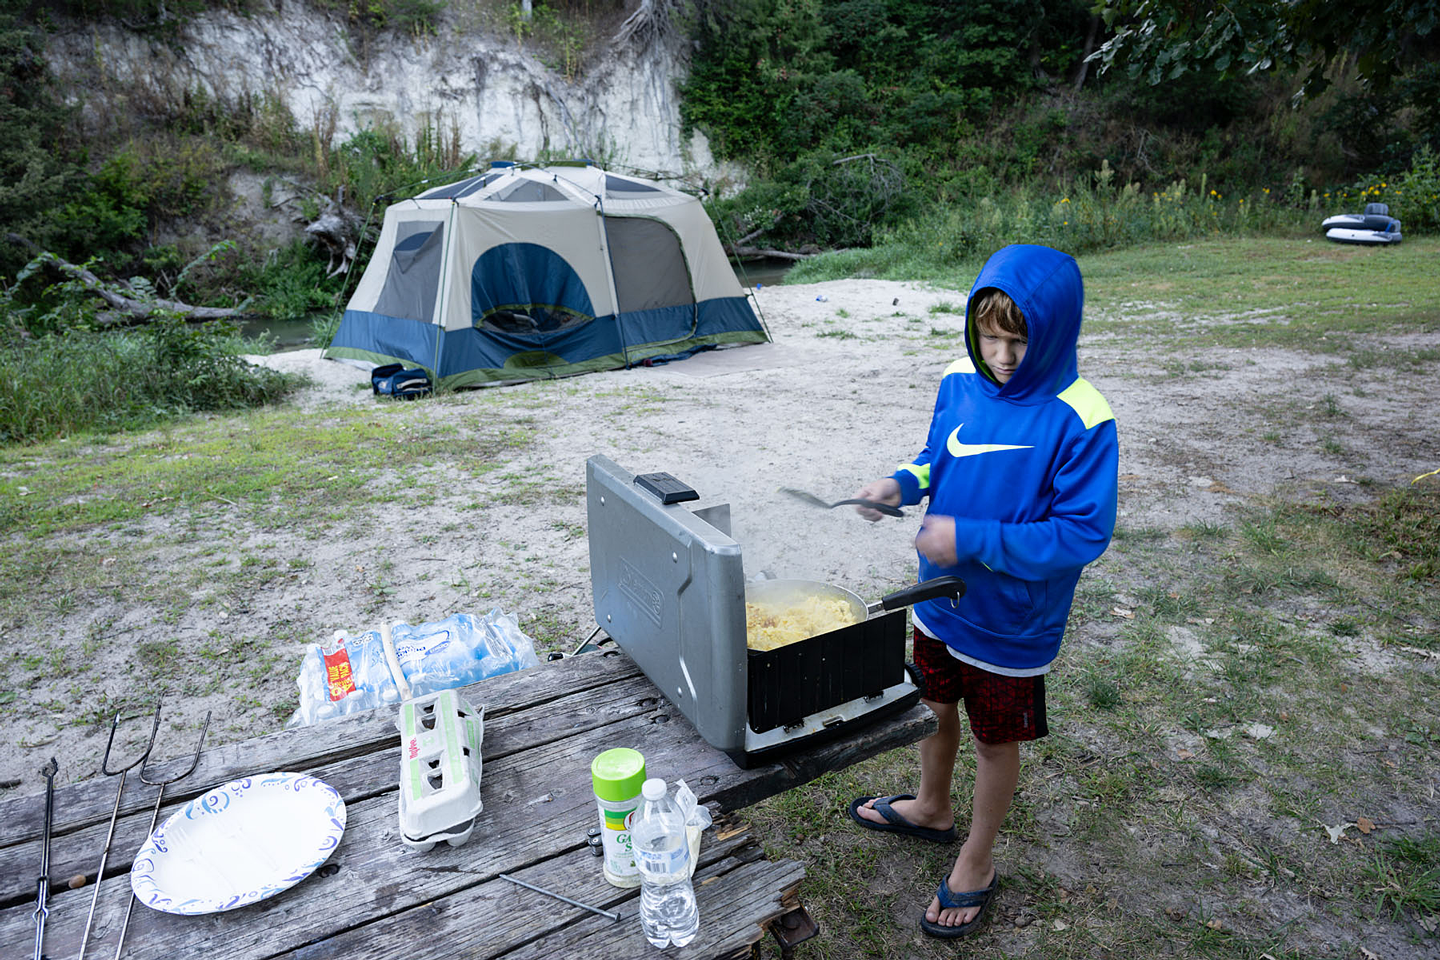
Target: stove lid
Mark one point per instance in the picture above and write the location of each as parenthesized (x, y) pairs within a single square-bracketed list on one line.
[(669, 587)]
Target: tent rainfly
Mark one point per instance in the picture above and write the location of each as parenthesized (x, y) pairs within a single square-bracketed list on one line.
[(524, 273)]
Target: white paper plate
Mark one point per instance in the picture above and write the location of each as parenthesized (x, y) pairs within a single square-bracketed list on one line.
[(239, 843)]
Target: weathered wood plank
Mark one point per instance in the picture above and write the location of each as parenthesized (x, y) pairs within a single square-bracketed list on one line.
[(494, 916), (736, 909), (77, 851), (77, 805)]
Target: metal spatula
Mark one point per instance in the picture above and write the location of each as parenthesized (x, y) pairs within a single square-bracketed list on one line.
[(815, 501)]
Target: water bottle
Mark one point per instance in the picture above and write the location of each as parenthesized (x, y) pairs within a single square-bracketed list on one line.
[(668, 912)]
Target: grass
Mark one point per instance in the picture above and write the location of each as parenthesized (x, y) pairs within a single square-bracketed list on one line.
[(78, 382), (1220, 291), (282, 467)]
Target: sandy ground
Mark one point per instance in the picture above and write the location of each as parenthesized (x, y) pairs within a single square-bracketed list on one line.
[(841, 396)]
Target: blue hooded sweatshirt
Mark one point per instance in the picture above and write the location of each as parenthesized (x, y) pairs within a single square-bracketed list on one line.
[(1027, 468)]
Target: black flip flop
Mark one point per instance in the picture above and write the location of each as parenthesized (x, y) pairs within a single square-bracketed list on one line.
[(895, 823), (950, 901)]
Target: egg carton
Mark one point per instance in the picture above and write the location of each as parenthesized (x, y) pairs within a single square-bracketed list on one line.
[(440, 737)]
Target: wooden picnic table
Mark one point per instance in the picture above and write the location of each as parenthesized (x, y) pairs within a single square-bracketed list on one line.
[(377, 898)]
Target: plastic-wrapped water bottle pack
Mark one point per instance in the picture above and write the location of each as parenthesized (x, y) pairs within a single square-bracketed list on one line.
[(349, 674)]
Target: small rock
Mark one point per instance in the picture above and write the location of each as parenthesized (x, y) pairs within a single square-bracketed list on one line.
[(76, 882)]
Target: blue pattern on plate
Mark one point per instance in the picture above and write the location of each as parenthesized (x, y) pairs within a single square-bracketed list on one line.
[(142, 874)]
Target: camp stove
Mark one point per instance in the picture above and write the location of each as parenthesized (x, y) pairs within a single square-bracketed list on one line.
[(669, 588)]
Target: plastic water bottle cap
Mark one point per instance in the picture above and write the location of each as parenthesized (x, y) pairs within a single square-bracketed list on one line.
[(653, 789)]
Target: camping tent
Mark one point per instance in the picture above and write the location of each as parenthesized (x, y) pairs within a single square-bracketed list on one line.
[(521, 273)]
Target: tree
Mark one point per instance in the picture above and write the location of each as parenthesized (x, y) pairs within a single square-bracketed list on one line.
[(1162, 39), (37, 170)]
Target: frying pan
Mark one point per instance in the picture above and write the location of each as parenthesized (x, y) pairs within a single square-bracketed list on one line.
[(782, 594)]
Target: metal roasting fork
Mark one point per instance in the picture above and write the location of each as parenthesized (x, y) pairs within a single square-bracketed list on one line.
[(155, 815), (42, 892), (114, 814)]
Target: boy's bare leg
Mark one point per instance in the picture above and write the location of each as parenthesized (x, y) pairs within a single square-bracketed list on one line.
[(997, 771), (931, 806)]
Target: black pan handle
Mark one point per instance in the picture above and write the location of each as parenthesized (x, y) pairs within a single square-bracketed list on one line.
[(953, 587)]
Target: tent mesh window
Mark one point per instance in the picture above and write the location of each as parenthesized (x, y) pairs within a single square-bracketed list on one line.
[(616, 188), (649, 266), (460, 188), (528, 191), (413, 279)]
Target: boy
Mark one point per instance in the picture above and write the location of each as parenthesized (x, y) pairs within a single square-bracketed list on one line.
[(1021, 469)]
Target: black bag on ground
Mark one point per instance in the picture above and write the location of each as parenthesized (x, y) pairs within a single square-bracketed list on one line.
[(393, 380)]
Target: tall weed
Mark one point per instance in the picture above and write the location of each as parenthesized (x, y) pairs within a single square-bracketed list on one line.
[(1088, 215), (84, 381), (380, 161)]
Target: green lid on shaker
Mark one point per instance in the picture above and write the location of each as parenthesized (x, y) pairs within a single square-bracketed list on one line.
[(618, 774)]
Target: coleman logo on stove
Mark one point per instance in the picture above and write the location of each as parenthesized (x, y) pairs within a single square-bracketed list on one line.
[(639, 591)]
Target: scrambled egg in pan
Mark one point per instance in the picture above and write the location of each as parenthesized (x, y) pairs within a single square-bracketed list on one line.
[(768, 626)]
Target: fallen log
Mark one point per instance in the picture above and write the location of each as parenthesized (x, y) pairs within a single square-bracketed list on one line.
[(125, 310), (750, 252), (337, 232)]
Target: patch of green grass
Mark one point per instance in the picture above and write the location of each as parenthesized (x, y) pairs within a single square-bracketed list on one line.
[(1102, 692), (280, 466), (1204, 530), (1169, 604), (1406, 877), (1311, 289), (1265, 537), (1128, 534)]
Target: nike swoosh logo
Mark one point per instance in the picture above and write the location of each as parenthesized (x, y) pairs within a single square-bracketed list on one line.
[(958, 449)]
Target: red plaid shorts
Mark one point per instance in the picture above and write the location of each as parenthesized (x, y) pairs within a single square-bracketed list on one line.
[(1001, 709)]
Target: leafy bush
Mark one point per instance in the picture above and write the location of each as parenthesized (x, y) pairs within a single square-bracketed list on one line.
[(1413, 195), (822, 200), (85, 380), (381, 162), (975, 100), (39, 165), (406, 16), (291, 284)]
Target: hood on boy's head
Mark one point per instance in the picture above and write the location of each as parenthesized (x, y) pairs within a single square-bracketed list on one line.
[(1045, 284)]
